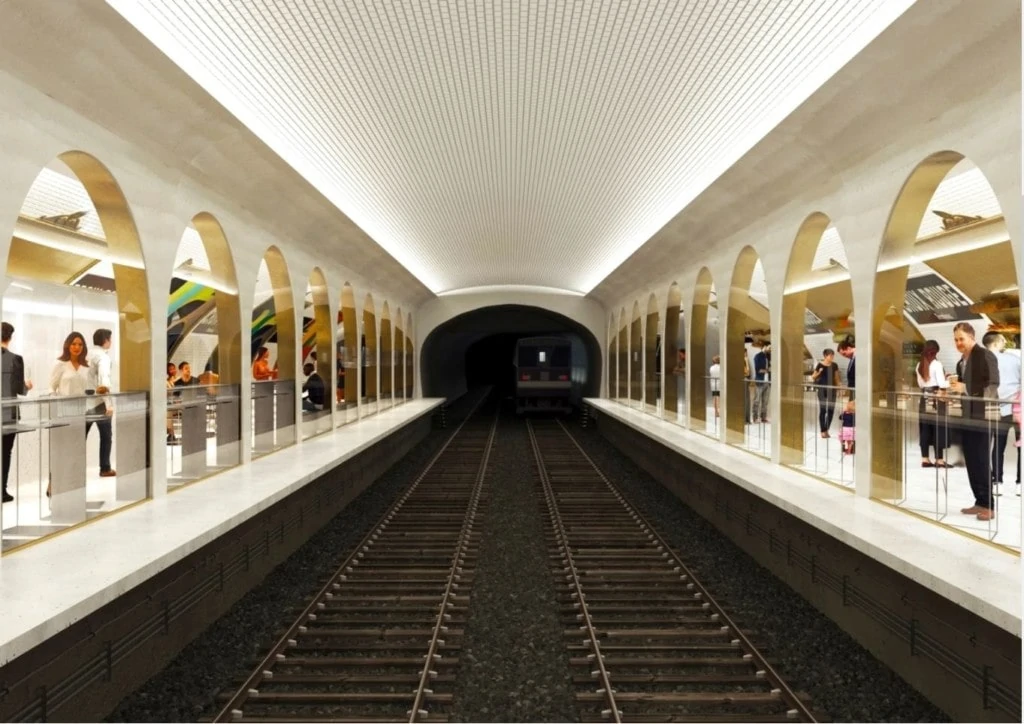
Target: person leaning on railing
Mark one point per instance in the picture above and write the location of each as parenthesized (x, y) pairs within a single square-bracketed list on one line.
[(933, 410), (978, 381), (1009, 362), (826, 380)]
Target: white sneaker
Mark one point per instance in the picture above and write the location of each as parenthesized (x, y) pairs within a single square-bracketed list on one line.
[(997, 488)]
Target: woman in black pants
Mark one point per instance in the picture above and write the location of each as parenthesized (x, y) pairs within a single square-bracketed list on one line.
[(826, 377), (932, 415)]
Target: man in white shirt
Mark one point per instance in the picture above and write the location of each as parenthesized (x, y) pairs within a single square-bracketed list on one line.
[(1009, 385), (99, 380)]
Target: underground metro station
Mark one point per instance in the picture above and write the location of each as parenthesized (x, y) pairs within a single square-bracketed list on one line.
[(511, 361)]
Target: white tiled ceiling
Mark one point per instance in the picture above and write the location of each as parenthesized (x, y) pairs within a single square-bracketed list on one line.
[(531, 142)]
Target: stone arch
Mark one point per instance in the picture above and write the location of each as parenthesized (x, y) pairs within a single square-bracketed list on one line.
[(745, 316), (963, 245), (636, 355), (623, 361), (670, 353), (368, 343), (699, 351), (347, 355), (827, 293), (652, 348)]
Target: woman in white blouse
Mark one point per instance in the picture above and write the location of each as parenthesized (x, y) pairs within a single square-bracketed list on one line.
[(932, 413), (70, 375)]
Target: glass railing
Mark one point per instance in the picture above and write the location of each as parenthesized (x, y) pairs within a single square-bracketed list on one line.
[(273, 416), (757, 426), (316, 416), (941, 460), (817, 432), (203, 431), (71, 459), (714, 407)]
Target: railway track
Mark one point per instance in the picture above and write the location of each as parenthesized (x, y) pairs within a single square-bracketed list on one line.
[(646, 640), (381, 640)]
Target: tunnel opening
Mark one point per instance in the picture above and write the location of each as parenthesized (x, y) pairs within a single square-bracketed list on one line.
[(477, 349)]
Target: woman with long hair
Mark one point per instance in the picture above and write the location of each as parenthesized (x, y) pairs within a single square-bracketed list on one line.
[(70, 375), (261, 366), (932, 411)]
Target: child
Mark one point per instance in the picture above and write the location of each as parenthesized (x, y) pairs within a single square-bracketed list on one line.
[(848, 433)]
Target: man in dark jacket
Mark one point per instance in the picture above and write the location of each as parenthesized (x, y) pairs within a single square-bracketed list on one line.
[(14, 384), (979, 381)]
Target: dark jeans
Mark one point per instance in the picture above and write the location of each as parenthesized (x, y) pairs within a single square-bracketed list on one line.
[(826, 409), (1002, 436), (8, 449), (106, 437), (932, 429), (975, 442)]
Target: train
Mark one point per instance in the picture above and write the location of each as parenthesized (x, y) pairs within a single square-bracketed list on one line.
[(544, 378)]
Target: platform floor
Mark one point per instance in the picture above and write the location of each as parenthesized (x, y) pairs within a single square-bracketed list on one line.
[(936, 493), (48, 586), (967, 571)]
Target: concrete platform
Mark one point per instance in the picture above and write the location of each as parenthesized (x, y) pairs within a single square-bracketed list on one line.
[(970, 573), (47, 587)]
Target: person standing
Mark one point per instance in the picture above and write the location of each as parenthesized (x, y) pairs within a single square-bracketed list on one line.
[(826, 377), (14, 384), (979, 383), (715, 377), (762, 390), (1009, 362), (933, 411), (99, 380), (848, 350)]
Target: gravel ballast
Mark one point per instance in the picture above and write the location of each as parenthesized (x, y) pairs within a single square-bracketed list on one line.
[(185, 690), (815, 656), (515, 663)]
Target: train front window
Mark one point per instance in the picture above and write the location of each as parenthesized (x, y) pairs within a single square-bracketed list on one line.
[(560, 357)]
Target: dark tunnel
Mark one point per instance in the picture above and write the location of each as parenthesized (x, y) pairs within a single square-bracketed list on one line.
[(476, 349)]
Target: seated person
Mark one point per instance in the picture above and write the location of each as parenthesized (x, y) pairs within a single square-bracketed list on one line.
[(314, 388)]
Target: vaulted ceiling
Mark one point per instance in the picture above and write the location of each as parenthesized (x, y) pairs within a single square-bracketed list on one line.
[(501, 142)]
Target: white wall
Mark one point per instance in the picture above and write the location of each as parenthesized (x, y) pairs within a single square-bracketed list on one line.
[(35, 129)]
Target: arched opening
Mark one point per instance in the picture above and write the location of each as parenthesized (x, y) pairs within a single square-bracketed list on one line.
[(652, 358), (410, 352), (368, 353), (748, 357), (706, 376), (946, 269), (316, 357), (386, 348), (204, 356), (75, 266), (817, 314), (477, 348), (674, 363), (273, 356), (613, 360), (636, 356), (399, 364), (623, 362), (347, 359)]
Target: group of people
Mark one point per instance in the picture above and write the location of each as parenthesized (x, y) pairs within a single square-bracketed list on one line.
[(78, 371), (987, 375)]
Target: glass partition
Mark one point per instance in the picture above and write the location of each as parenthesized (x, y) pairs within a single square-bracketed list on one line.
[(960, 490), (273, 416), (55, 479), (203, 431), (827, 446)]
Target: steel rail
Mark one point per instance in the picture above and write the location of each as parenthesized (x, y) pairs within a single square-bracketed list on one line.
[(454, 574), (572, 572), (233, 709), (799, 708)]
